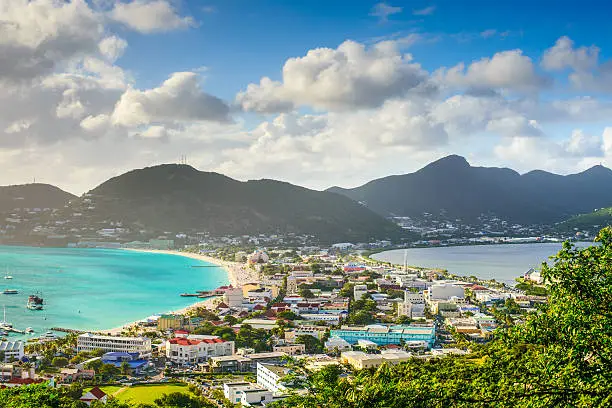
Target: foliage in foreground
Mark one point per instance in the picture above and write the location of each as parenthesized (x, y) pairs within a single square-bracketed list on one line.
[(560, 357)]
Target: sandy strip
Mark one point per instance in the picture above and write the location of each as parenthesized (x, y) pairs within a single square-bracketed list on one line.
[(237, 273)]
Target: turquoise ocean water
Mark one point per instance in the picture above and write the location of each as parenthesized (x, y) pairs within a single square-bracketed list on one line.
[(501, 262), (93, 289)]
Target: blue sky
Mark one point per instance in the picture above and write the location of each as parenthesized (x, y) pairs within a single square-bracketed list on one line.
[(369, 88)]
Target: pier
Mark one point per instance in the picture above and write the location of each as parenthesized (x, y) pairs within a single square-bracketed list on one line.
[(63, 330)]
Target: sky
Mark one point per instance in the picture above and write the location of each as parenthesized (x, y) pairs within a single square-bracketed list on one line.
[(316, 93)]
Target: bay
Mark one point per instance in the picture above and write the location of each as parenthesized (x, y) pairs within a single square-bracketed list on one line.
[(500, 262), (94, 289)]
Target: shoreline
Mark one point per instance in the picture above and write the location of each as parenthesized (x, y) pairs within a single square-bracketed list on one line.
[(238, 274)]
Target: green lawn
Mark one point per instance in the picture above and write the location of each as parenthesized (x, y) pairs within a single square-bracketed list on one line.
[(148, 393), (109, 389)]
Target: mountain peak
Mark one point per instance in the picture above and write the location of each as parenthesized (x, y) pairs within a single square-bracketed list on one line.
[(449, 162), (597, 170)]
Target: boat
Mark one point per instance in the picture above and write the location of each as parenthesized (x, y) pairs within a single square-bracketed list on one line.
[(35, 302), (4, 325), (29, 330), (10, 291), (6, 275)]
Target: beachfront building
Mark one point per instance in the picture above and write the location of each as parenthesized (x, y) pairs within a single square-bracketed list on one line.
[(186, 351), (383, 335), (90, 342), (171, 321), (233, 297), (13, 350)]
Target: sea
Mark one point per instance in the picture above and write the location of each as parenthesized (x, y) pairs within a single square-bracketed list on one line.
[(96, 289), (503, 262)]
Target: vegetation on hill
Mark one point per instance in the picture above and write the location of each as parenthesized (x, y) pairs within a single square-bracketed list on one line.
[(585, 222), (32, 196), (561, 356), (452, 186), (181, 198)]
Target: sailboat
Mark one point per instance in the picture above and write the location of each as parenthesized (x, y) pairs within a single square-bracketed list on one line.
[(4, 324), (6, 274)]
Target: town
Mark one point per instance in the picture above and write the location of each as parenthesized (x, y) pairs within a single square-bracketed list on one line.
[(303, 309)]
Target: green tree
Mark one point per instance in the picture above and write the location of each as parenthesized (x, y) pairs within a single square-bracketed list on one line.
[(312, 344), (59, 362), (306, 293), (125, 368)]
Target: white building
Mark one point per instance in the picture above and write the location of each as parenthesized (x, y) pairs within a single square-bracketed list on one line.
[(328, 318), (412, 310), (445, 291), (90, 342), (186, 351), (246, 393), (336, 343), (359, 291), (270, 377), (13, 350), (233, 297)]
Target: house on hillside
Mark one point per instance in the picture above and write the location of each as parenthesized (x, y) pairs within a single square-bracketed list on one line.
[(95, 394)]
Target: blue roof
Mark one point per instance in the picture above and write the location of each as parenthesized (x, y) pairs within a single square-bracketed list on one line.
[(134, 364)]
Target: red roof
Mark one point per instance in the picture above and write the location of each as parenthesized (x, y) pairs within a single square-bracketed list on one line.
[(279, 305), (222, 306), (259, 307), (97, 392), (181, 332), (193, 342), (184, 342)]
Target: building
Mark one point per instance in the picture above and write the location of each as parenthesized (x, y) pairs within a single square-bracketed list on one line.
[(189, 351), (246, 394), (270, 377), (445, 291), (360, 360), (13, 350), (170, 321), (318, 332), (95, 394), (336, 343), (359, 291), (257, 257), (412, 310), (90, 342), (243, 363), (384, 335), (117, 358), (327, 318), (290, 349), (260, 323), (233, 297)]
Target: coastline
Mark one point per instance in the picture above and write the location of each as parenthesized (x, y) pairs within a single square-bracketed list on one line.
[(237, 273)]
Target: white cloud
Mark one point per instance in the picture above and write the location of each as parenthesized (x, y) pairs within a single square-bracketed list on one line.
[(150, 16), (505, 70), (563, 55), (38, 36), (179, 98), (427, 11), (112, 47), (384, 10), (352, 76)]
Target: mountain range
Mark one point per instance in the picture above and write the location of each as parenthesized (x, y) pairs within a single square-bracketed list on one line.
[(451, 185), (177, 198)]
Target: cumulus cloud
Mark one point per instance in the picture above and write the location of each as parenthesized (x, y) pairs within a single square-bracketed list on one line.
[(564, 55), (505, 70), (38, 36), (180, 97), (352, 76), (150, 16)]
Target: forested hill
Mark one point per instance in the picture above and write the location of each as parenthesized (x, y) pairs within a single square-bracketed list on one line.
[(180, 198), (34, 195)]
